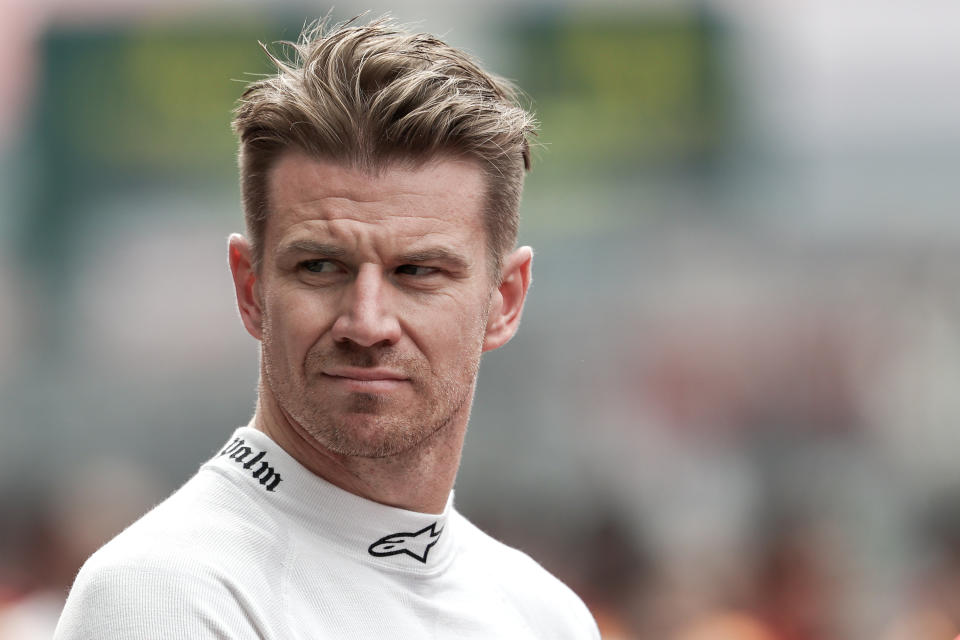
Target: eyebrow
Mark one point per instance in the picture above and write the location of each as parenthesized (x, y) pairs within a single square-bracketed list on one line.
[(435, 254), (309, 246), (428, 254)]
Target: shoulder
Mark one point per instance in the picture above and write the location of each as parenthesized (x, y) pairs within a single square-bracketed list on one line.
[(546, 602), (181, 570), (208, 520), (151, 598)]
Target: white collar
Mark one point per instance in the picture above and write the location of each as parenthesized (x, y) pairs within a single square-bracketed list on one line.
[(374, 533)]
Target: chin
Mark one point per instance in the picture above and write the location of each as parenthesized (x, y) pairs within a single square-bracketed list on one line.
[(366, 435)]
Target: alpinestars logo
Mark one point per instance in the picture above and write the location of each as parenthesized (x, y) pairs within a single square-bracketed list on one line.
[(416, 545)]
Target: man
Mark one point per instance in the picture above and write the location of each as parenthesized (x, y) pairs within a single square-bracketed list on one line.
[(381, 174)]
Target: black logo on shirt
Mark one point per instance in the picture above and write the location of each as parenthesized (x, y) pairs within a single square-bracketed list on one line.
[(267, 475), (416, 545)]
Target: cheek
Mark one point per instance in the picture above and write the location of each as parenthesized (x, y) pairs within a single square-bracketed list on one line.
[(292, 324), (452, 331)]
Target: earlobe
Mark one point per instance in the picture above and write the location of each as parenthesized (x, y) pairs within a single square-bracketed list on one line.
[(506, 306), (245, 284)]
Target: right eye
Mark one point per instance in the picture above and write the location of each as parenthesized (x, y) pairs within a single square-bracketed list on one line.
[(318, 266)]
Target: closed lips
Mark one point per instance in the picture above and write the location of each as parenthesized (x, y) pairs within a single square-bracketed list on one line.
[(364, 375)]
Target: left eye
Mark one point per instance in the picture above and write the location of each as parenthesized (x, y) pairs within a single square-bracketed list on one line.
[(415, 270)]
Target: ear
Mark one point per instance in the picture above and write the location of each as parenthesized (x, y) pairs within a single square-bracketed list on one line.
[(507, 304), (245, 283)]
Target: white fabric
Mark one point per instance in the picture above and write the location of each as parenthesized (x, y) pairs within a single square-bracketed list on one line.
[(257, 546)]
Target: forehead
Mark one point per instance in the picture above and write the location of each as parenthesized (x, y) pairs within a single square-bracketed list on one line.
[(443, 196)]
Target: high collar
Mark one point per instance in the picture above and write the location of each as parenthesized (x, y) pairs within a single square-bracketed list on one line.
[(377, 534)]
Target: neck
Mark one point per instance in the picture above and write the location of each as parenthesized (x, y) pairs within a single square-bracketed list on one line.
[(418, 479)]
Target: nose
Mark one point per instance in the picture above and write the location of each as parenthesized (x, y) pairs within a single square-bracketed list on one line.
[(366, 317)]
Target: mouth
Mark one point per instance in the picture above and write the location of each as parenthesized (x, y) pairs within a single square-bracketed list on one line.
[(366, 380)]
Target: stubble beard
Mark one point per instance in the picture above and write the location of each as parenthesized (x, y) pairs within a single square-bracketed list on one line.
[(369, 425)]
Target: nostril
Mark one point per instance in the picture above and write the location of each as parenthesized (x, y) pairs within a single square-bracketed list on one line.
[(366, 329)]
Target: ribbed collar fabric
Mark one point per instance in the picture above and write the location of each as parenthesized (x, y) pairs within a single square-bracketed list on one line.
[(374, 533)]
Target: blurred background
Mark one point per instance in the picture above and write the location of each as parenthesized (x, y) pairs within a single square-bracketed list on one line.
[(732, 410)]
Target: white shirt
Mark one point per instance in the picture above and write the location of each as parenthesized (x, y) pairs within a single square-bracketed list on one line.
[(257, 546)]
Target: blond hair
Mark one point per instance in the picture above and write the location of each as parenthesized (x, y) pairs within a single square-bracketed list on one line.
[(370, 95)]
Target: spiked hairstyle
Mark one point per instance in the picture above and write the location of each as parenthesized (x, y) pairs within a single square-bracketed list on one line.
[(372, 95)]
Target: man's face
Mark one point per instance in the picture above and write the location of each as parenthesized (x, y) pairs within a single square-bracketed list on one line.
[(374, 294)]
